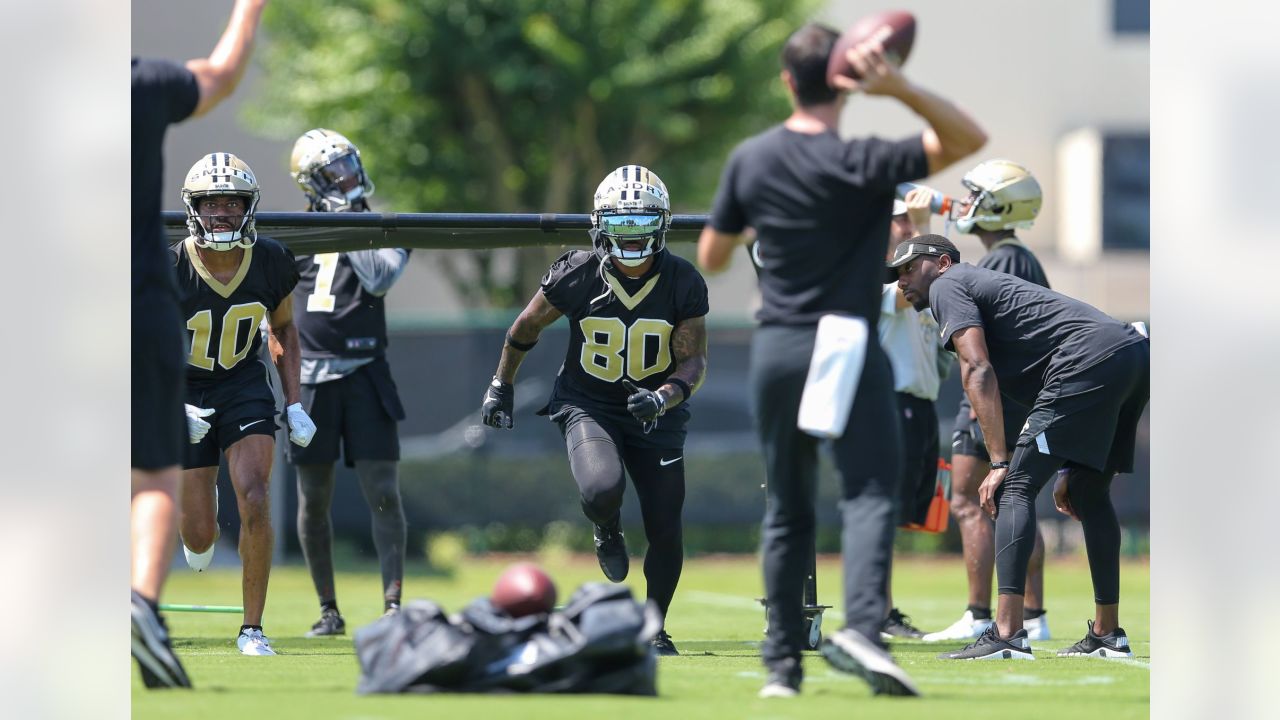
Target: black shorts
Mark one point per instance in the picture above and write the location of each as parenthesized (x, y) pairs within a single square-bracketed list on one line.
[(358, 412), (159, 427), (919, 422), (243, 404), (1091, 417), (967, 438)]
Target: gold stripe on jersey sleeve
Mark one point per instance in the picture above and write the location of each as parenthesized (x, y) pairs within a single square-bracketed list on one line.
[(631, 301), (224, 290)]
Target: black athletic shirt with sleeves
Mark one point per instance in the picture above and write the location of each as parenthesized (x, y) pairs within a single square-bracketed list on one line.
[(1013, 258), (335, 315), (624, 333), (163, 94), (821, 208), (1033, 334), (222, 321)]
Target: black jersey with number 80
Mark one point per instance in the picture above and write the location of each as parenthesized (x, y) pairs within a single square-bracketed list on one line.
[(620, 327)]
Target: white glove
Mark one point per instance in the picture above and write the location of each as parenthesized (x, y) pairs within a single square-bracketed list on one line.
[(301, 429), (197, 428)]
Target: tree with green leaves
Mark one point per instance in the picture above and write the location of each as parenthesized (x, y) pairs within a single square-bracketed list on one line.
[(525, 105)]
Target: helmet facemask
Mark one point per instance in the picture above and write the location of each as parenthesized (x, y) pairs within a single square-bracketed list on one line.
[(631, 216), (328, 168), (1003, 196), (221, 175)]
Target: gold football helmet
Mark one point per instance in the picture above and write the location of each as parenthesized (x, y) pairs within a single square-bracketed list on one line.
[(631, 213), (218, 174), (327, 166), (1004, 194)]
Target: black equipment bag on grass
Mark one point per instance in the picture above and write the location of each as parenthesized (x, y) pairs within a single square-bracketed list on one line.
[(598, 643)]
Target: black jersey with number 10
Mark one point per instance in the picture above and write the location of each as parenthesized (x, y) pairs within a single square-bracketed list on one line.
[(222, 320), (620, 327)]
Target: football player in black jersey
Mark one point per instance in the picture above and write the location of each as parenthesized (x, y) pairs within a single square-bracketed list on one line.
[(229, 281), (637, 352), (1003, 198), (346, 381)]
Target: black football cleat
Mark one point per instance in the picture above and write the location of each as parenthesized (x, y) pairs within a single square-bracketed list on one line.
[(160, 666), (663, 644), (898, 625), (1114, 644), (329, 624), (990, 646), (611, 551)]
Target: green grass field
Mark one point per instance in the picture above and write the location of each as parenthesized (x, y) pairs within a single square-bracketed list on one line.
[(715, 622)]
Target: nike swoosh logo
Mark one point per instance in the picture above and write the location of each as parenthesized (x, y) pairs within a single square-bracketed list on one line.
[(665, 463), (944, 330), (255, 422)]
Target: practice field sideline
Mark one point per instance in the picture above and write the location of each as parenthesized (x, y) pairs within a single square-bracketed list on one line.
[(715, 621)]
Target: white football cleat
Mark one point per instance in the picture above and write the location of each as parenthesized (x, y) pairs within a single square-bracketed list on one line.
[(200, 561), (966, 628), (1037, 628), (253, 642)]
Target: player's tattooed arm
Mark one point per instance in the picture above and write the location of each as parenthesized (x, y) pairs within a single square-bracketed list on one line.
[(689, 348), (536, 316), (286, 352)]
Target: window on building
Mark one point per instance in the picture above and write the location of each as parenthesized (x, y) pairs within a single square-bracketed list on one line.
[(1126, 191), (1131, 17)]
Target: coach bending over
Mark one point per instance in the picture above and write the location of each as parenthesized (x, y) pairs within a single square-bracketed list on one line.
[(1086, 378)]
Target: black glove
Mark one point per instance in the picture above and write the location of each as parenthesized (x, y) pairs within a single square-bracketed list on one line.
[(499, 405), (645, 405)]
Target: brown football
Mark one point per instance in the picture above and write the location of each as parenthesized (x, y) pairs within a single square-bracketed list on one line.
[(524, 589), (896, 30)]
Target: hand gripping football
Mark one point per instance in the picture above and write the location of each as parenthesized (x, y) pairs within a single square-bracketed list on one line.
[(896, 30)]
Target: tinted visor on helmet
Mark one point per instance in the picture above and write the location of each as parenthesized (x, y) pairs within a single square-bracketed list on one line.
[(634, 225), (342, 173)]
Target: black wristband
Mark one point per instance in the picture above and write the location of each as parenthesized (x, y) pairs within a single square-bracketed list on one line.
[(684, 387), (1002, 465), (522, 347)]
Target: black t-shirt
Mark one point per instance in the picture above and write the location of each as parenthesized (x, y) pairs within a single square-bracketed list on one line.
[(222, 320), (335, 315), (624, 333), (1033, 333), (1013, 258), (820, 207), (163, 94)]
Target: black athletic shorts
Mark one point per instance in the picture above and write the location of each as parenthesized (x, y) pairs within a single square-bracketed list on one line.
[(243, 405), (967, 438), (625, 430), (919, 422), (1091, 417), (159, 427), (358, 413)]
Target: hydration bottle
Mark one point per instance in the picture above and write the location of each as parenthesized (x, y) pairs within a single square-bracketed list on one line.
[(941, 204)]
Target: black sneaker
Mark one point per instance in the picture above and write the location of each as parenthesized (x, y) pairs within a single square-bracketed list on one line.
[(611, 551), (899, 625), (330, 623), (990, 646), (1114, 644), (784, 679), (663, 644), (151, 648), (848, 651)]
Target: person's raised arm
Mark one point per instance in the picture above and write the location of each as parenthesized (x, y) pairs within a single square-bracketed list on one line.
[(218, 74), (951, 135), (715, 249)]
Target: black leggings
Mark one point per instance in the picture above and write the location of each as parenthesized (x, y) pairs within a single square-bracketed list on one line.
[(597, 462), (1089, 492)]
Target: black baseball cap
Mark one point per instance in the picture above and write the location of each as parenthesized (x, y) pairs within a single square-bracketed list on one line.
[(935, 245)]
